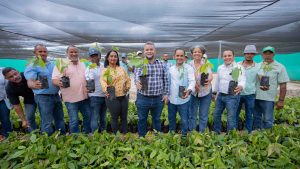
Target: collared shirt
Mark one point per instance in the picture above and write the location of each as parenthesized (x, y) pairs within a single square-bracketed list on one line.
[(157, 76), (180, 76), (3, 83), (120, 80), (32, 72), (95, 74), (77, 90), (251, 75), (204, 90), (277, 75), (224, 77)]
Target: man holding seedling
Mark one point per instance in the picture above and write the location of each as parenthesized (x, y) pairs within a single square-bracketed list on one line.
[(75, 94), (153, 89), (230, 82), (182, 84), (248, 93), (45, 93), (16, 87), (97, 98), (271, 74)]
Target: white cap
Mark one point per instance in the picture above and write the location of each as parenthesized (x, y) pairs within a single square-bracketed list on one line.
[(139, 52)]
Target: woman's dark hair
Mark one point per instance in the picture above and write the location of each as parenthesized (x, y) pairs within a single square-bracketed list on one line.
[(106, 58)]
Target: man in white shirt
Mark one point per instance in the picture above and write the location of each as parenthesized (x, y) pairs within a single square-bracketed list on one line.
[(224, 97), (180, 75), (97, 98)]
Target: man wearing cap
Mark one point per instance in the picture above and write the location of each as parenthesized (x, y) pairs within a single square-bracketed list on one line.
[(153, 98), (266, 95), (47, 100), (248, 93), (97, 98), (124, 64)]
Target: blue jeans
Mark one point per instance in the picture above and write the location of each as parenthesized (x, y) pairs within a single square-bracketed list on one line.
[(145, 104), (202, 104), (50, 109), (5, 119), (30, 110), (249, 101), (98, 113), (73, 108), (183, 112), (263, 114), (230, 102)]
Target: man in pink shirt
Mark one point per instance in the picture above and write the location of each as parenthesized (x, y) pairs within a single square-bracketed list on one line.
[(75, 96)]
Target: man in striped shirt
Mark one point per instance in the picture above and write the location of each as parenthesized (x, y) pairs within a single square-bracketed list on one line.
[(152, 97)]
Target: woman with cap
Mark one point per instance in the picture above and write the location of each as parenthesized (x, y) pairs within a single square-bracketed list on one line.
[(201, 98), (115, 76)]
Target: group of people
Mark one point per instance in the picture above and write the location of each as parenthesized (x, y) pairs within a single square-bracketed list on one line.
[(186, 87)]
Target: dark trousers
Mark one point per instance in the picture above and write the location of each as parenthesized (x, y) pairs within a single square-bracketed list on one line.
[(118, 108)]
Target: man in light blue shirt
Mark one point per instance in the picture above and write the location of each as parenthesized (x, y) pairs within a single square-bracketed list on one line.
[(47, 99), (165, 58), (248, 93), (124, 64), (180, 75), (276, 73)]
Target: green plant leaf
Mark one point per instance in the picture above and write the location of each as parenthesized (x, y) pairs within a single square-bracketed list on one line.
[(93, 66), (235, 73), (33, 138), (105, 164), (16, 154), (115, 48)]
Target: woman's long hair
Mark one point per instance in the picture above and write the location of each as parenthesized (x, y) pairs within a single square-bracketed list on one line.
[(106, 58)]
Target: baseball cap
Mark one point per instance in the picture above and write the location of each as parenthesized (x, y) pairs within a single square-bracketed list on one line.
[(268, 48), (93, 51), (139, 52), (124, 55)]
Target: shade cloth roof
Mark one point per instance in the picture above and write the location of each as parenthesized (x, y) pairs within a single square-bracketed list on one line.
[(129, 23)]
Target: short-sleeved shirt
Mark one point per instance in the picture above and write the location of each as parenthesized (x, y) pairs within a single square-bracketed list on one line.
[(32, 72), (14, 90), (251, 76), (77, 90), (95, 74), (277, 75)]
